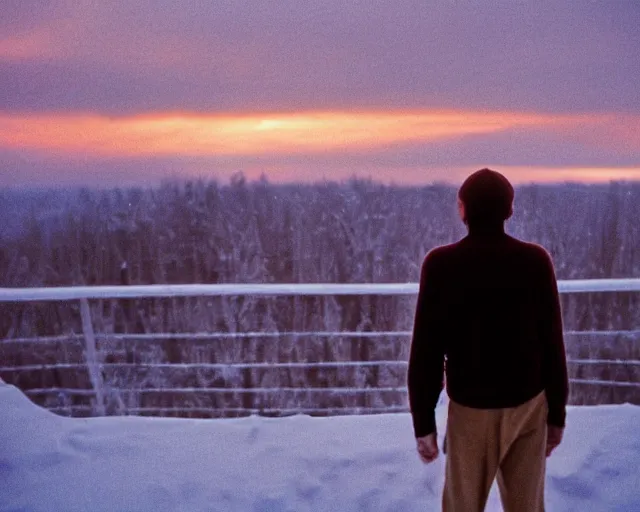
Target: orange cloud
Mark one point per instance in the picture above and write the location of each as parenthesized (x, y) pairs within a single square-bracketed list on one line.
[(202, 135)]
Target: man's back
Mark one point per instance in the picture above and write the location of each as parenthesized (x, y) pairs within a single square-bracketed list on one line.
[(496, 318)]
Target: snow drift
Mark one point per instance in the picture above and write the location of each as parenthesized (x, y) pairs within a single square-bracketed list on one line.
[(296, 464)]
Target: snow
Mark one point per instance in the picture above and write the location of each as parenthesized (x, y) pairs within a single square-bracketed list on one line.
[(259, 289), (297, 464)]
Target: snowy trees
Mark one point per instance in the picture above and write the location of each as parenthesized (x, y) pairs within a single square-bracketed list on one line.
[(357, 231)]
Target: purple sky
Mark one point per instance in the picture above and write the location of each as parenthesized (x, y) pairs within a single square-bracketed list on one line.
[(124, 59)]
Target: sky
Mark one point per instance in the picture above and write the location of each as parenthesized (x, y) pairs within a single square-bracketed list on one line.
[(405, 91)]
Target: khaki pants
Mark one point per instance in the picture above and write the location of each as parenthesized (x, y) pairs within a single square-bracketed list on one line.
[(483, 443)]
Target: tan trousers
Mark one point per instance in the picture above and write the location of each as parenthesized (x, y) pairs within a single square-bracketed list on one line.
[(483, 443)]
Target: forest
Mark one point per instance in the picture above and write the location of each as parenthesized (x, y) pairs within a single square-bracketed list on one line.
[(356, 231)]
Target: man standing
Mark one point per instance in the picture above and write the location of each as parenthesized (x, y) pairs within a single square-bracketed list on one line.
[(489, 305)]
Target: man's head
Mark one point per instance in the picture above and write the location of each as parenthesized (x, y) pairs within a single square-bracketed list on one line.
[(485, 197)]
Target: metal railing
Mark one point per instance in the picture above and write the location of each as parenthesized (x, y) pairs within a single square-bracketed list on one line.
[(95, 366), (272, 290)]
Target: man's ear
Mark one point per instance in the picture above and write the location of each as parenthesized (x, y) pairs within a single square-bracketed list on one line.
[(510, 212), (461, 211)]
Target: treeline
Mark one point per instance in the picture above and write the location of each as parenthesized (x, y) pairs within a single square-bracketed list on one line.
[(352, 232)]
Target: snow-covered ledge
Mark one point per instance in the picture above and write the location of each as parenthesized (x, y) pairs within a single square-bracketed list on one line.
[(300, 463)]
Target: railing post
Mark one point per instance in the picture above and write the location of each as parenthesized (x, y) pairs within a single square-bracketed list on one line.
[(91, 356)]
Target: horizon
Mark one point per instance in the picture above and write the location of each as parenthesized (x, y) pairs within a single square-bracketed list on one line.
[(346, 181)]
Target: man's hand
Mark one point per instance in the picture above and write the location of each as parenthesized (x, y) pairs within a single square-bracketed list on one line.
[(554, 438), (428, 448)]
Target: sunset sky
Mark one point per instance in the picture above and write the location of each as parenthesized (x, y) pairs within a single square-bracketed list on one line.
[(409, 91)]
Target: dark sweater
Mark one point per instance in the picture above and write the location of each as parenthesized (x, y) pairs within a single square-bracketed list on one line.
[(489, 305)]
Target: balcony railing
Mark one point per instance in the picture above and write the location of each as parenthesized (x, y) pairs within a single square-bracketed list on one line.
[(102, 393)]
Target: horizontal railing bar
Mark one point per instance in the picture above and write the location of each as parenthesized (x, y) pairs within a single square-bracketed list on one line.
[(72, 391), (302, 410), (599, 285), (201, 290), (613, 332), (623, 362), (43, 339), (258, 289), (253, 334), (605, 383), (259, 334), (214, 366), (225, 366), (211, 335), (344, 390)]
